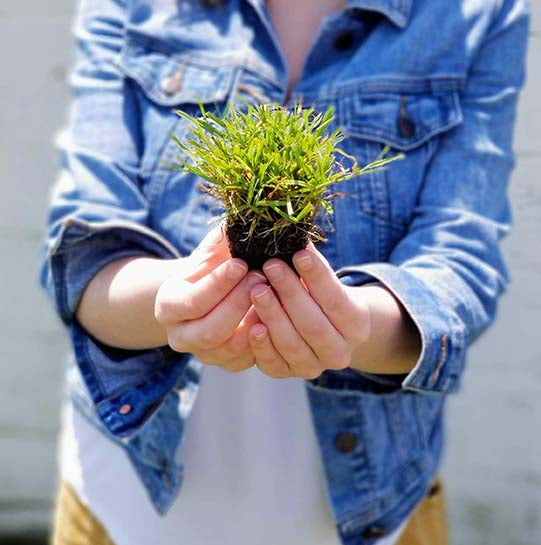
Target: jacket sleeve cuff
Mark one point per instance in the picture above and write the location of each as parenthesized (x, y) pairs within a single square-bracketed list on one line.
[(114, 379), (82, 248), (443, 350)]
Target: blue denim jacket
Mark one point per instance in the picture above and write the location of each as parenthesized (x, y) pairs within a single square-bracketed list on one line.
[(435, 79)]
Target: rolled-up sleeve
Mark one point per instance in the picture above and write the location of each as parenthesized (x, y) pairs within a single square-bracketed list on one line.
[(448, 271), (98, 212)]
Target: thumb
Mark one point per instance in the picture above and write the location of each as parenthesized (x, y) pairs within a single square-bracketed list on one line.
[(215, 241), (212, 251)]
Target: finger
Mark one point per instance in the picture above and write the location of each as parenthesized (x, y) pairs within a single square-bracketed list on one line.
[(214, 237), (238, 365), (220, 323), (239, 344), (179, 300), (352, 321), (268, 360), (306, 315), (236, 353), (213, 248), (287, 341), (233, 365)]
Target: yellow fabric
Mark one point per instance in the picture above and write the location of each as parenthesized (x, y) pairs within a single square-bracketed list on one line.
[(74, 524), (428, 525)]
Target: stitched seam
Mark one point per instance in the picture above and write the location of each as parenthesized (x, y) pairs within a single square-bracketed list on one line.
[(443, 354), (388, 220), (252, 92), (429, 130), (159, 173)]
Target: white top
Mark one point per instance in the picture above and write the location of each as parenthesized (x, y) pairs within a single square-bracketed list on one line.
[(253, 471)]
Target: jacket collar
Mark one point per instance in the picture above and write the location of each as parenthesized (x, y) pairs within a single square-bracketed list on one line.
[(398, 11)]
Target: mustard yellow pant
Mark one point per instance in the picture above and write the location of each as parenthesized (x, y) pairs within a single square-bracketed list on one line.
[(74, 524)]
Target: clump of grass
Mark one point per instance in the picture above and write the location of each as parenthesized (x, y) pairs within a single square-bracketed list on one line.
[(272, 168)]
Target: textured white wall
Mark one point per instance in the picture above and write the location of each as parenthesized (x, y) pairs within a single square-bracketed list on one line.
[(493, 460), (35, 50)]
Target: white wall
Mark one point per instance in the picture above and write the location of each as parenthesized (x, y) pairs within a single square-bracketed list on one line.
[(35, 48), (493, 460)]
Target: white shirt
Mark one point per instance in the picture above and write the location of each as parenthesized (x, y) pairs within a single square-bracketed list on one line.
[(253, 472)]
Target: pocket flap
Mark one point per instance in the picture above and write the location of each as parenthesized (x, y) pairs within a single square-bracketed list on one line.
[(402, 120), (172, 79)]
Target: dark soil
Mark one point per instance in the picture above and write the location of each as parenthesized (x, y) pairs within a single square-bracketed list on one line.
[(265, 242)]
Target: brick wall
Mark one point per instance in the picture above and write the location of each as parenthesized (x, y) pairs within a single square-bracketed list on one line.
[(492, 464)]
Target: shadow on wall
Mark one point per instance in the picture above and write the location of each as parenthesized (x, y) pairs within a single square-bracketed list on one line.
[(34, 538)]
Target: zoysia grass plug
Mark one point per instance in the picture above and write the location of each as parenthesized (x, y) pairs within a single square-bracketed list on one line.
[(272, 168)]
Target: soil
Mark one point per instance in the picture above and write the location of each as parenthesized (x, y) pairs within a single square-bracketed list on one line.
[(266, 242)]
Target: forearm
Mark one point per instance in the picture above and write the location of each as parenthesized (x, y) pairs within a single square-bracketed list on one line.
[(117, 306), (394, 345)]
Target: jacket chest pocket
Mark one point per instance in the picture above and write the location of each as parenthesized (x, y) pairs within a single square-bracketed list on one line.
[(408, 122), (166, 82)]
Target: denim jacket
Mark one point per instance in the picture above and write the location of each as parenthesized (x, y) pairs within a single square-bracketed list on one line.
[(434, 79)]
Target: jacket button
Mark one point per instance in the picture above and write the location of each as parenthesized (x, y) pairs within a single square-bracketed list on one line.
[(125, 409), (345, 442), (373, 531), (171, 85), (406, 127), (344, 40)]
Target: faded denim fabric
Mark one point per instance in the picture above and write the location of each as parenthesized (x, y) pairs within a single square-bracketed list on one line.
[(437, 80)]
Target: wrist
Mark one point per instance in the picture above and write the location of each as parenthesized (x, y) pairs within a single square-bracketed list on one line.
[(117, 306), (394, 345)]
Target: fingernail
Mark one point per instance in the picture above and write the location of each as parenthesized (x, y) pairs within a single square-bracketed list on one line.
[(236, 270), (304, 263), (259, 334), (273, 272), (262, 294)]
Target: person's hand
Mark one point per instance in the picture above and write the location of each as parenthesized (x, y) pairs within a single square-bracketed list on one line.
[(308, 325), (207, 310), (212, 251)]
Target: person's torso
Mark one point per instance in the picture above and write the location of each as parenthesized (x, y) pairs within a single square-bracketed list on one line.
[(391, 82)]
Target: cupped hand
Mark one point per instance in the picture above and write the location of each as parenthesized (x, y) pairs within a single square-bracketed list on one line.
[(308, 324), (212, 251), (208, 311)]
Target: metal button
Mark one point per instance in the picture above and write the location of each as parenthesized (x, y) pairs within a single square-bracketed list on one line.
[(256, 93), (344, 40), (406, 127), (125, 409), (171, 84), (373, 531), (345, 441)]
